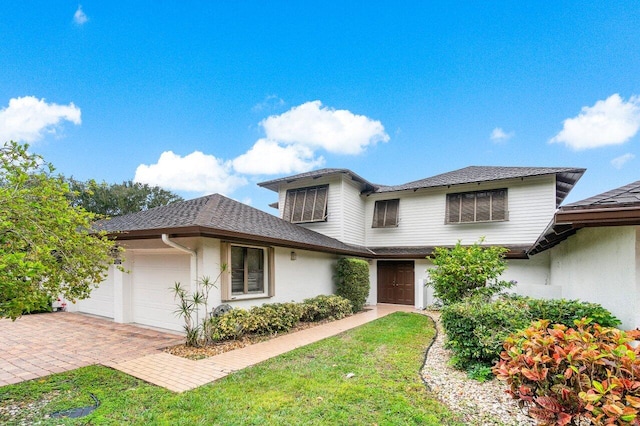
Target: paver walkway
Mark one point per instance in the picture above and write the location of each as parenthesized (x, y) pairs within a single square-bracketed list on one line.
[(42, 344), (38, 347)]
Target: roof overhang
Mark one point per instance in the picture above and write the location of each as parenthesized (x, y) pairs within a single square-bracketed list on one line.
[(567, 222), (599, 216), (199, 231), (274, 184)]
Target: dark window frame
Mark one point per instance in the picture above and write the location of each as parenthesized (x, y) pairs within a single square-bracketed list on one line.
[(477, 206), (306, 205), (386, 213)]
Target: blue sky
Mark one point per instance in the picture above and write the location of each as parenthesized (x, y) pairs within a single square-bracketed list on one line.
[(203, 97)]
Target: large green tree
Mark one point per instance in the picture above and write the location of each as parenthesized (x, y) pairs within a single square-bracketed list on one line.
[(47, 247), (119, 198)]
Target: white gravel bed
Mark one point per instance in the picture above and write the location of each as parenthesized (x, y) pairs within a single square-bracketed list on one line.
[(478, 403)]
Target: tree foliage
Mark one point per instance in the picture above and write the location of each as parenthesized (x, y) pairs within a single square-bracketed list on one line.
[(465, 271), (119, 198), (46, 248)]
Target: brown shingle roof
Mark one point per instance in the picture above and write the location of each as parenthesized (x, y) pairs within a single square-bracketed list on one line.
[(275, 183), (628, 195), (222, 217), (566, 177)]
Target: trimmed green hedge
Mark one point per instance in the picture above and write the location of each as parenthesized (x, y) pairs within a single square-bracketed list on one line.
[(272, 318), (352, 281)]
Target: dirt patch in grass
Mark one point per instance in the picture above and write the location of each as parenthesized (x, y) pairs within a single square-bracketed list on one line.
[(195, 353)]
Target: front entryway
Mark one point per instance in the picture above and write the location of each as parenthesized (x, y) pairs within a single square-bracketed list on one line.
[(396, 282)]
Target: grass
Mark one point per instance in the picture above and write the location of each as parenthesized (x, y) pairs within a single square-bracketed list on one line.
[(306, 386)]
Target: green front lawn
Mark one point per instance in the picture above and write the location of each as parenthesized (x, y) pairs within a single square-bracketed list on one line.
[(306, 386)]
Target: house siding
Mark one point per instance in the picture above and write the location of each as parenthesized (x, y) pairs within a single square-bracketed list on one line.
[(344, 208), (601, 265), (353, 213), (531, 204)]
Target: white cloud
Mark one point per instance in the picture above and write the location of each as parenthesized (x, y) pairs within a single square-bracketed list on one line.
[(196, 172), (80, 17), (27, 119), (314, 126), (269, 157), (618, 162), (608, 122), (499, 135), (269, 103)]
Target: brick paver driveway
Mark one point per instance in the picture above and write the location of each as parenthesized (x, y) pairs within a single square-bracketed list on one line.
[(42, 344)]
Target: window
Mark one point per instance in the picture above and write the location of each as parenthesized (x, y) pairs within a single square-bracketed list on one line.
[(249, 273), (479, 206), (385, 214), (306, 204)]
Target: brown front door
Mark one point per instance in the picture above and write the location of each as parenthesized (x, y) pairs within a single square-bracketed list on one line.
[(396, 282)]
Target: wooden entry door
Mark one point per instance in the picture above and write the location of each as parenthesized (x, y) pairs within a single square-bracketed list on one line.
[(396, 282)]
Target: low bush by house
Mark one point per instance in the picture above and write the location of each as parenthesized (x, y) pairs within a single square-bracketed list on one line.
[(271, 318), (476, 328), (325, 307), (563, 375)]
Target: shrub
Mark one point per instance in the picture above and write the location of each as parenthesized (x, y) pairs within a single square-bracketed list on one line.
[(273, 317), (230, 325), (461, 272), (325, 307), (564, 374), (476, 329), (352, 281), (562, 311)]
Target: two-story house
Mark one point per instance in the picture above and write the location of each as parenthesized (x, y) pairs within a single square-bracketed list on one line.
[(401, 224), (323, 215)]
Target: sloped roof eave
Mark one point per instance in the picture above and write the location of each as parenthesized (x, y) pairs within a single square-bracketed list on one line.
[(200, 231)]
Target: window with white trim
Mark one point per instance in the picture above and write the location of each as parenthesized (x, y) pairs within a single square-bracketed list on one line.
[(477, 206), (250, 271), (304, 205), (385, 213)]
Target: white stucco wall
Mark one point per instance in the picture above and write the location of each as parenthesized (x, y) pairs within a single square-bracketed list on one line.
[(601, 265), (143, 294), (532, 277), (311, 274)]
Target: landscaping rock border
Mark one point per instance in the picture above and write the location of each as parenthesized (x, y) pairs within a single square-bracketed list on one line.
[(479, 404)]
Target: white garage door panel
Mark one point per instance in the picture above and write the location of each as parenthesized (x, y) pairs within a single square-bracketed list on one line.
[(153, 302), (101, 300)]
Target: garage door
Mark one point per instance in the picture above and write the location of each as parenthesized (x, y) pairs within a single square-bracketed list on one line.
[(101, 300), (154, 275)]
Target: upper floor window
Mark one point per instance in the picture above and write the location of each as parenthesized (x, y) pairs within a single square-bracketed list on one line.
[(385, 213), (478, 206), (306, 204)]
